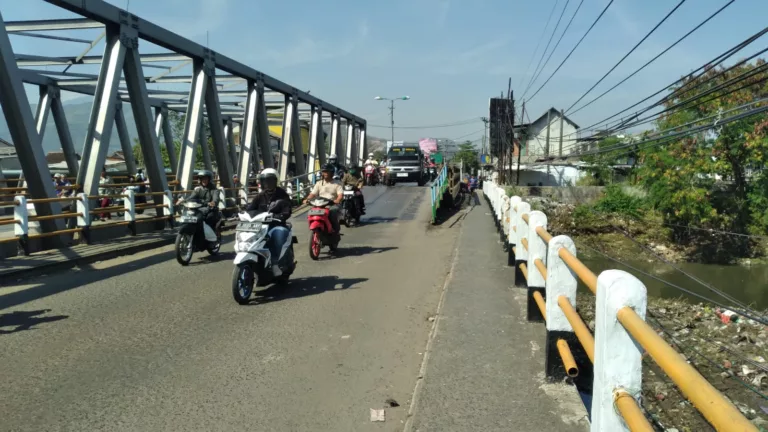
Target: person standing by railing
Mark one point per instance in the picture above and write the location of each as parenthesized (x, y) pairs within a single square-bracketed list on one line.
[(105, 189)]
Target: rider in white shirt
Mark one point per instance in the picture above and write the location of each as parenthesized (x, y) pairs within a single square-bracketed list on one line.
[(371, 160)]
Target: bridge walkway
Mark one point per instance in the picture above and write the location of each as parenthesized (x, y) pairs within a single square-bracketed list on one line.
[(484, 367)]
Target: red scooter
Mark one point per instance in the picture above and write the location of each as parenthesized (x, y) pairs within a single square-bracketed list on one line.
[(371, 179), (321, 228)]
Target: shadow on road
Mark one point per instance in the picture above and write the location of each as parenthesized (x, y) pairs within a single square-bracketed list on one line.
[(303, 287), (26, 320), (208, 259), (362, 250), (376, 220)]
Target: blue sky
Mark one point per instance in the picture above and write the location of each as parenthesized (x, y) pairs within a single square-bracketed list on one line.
[(449, 56)]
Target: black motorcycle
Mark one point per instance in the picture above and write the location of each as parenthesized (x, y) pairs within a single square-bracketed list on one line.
[(191, 237), (350, 214)]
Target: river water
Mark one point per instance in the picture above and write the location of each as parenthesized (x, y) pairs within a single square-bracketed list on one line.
[(748, 284)]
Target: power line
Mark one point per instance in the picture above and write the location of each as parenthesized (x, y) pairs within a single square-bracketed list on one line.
[(656, 57), (573, 49), (679, 106), (703, 68), (536, 77), (535, 71), (541, 38), (628, 54)]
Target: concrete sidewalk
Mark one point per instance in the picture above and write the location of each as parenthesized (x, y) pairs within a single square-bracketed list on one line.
[(485, 364)]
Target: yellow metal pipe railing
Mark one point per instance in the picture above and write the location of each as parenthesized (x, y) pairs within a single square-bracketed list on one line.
[(721, 413), (630, 412), (579, 328)]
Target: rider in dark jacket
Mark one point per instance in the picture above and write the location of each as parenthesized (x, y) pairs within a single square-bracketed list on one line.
[(275, 200), (206, 193)]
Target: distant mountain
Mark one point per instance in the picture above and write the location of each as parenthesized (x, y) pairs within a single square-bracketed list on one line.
[(78, 114)]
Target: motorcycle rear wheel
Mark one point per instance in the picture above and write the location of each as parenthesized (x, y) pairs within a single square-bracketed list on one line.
[(243, 281), (184, 257)]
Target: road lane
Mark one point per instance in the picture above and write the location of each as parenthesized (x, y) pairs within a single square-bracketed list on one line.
[(140, 343)]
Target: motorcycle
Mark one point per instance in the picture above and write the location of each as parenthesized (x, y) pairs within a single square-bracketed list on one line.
[(371, 178), (320, 227), (253, 263), (432, 173), (350, 214), (195, 235)]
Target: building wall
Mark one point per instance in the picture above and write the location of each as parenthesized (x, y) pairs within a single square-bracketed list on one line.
[(536, 145), (549, 175)]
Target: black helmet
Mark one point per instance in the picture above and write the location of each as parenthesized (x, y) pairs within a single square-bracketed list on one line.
[(205, 173), (329, 168)]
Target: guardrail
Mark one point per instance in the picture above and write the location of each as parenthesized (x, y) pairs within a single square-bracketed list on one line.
[(437, 190), (82, 214), (547, 267)]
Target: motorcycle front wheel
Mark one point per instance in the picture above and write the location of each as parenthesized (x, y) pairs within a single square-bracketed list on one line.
[(243, 281), (315, 245), (184, 248)]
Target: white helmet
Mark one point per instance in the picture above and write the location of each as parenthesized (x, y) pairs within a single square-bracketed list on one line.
[(333, 158), (370, 155), (267, 173)]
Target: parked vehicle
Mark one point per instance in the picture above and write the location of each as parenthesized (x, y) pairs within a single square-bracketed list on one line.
[(321, 228), (253, 263), (195, 235)]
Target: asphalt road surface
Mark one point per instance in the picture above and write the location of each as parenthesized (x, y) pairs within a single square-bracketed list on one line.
[(142, 344)]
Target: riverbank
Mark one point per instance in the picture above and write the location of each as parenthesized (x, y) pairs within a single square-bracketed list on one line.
[(731, 355), (645, 235)]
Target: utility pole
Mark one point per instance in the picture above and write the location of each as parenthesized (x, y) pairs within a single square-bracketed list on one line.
[(511, 131), (562, 122), (392, 119), (546, 152), (520, 147)]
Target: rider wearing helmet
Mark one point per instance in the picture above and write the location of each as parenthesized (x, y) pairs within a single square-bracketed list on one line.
[(338, 169), (371, 160), (354, 179), (206, 193), (329, 189), (275, 200)]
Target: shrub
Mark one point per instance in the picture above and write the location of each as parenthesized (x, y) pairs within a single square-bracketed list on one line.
[(615, 200)]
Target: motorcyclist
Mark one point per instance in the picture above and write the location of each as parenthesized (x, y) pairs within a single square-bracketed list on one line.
[(329, 189), (206, 192), (338, 169), (354, 179), (371, 161), (275, 200)]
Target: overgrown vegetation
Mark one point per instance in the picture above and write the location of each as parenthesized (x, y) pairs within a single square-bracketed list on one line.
[(177, 126), (714, 180)]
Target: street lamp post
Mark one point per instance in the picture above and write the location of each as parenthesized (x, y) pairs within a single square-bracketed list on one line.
[(392, 112)]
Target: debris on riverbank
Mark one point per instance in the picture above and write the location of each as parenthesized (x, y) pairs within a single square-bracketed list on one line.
[(730, 351)]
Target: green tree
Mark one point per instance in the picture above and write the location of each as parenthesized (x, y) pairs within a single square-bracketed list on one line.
[(177, 128), (715, 178), (379, 155), (468, 154)]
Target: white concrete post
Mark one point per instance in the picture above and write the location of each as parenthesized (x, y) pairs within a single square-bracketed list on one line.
[(537, 249), (512, 237), (168, 201), (618, 358), (504, 221), (83, 207), (130, 205), (20, 216), (561, 281), (522, 254)]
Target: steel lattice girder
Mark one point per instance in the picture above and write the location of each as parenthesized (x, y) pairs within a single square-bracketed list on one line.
[(98, 14)]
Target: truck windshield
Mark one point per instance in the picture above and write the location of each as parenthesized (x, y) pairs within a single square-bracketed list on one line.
[(399, 158)]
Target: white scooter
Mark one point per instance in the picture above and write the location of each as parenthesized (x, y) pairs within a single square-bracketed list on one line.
[(254, 260)]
